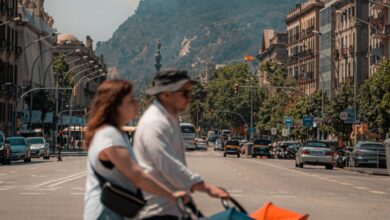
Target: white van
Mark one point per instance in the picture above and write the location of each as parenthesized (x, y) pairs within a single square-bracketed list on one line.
[(188, 133)]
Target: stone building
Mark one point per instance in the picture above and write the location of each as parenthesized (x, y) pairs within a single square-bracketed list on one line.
[(303, 44), (352, 41), (379, 33), (85, 70), (9, 71), (273, 48)]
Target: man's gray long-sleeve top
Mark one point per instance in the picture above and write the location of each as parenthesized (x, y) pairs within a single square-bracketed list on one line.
[(158, 146)]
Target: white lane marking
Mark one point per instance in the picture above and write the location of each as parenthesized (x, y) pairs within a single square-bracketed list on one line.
[(77, 194), (1, 182), (31, 194), (345, 184), (378, 192), (12, 171), (51, 189), (68, 180), (283, 196), (59, 179), (360, 187), (4, 189), (60, 170), (2, 174)]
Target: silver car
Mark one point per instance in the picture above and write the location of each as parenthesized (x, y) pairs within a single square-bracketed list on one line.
[(368, 153), (200, 144), (39, 147), (315, 153)]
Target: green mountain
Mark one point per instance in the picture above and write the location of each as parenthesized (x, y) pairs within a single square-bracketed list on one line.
[(191, 32)]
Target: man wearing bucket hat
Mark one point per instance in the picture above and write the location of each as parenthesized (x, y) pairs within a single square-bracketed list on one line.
[(159, 147)]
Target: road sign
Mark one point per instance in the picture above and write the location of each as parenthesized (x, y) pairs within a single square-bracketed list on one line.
[(307, 121), (285, 132), (273, 131), (288, 122), (351, 116), (252, 130), (317, 120), (344, 116)]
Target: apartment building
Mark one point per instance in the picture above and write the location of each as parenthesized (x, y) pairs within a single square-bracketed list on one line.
[(303, 44), (352, 40), (274, 49), (9, 50), (379, 33)]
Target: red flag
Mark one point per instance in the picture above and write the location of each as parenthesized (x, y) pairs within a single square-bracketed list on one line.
[(248, 58)]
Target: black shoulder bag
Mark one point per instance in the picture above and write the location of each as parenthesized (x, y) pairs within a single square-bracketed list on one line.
[(118, 199)]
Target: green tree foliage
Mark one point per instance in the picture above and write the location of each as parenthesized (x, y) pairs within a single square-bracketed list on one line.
[(342, 100), (374, 100), (272, 112), (217, 106), (60, 67)]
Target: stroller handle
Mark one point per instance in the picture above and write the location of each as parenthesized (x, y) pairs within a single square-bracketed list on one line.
[(235, 203), (190, 205)]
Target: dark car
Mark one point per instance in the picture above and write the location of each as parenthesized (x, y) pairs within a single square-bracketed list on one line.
[(5, 151), (232, 147), (261, 148), (368, 153)]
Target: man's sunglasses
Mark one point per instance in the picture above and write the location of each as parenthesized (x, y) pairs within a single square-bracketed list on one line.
[(186, 93)]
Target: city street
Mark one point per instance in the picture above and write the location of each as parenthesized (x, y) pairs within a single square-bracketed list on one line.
[(55, 190)]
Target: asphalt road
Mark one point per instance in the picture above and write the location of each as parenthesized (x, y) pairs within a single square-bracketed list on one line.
[(54, 190)]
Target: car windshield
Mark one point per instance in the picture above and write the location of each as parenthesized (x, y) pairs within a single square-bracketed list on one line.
[(371, 146), (262, 142), (16, 141), (233, 142), (187, 129), (34, 141), (316, 144)]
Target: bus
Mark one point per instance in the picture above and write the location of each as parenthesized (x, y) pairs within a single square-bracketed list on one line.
[(189, 134)]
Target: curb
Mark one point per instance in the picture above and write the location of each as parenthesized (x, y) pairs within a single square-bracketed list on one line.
[(69, 154), (369, 172)]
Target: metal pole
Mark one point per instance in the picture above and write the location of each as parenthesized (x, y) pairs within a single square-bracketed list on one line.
[(251, 129)]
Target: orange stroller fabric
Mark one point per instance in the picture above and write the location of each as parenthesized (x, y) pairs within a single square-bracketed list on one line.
[(271, 212)]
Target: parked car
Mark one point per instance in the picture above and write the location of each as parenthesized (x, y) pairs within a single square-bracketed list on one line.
[(232, 147), (367, 153), (218, 145), (200, 144), (39, 147), (5, 150), (261, 148), (315, 153), (20, 150)]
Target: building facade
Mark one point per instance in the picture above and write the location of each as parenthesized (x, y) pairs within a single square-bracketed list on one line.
[(273, 49), (379, 33), (352, 41), (303, 45), (328, 70), (9, 71)]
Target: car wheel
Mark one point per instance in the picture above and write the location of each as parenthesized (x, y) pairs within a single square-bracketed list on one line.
[(253, 156), (329, 167), (300, 165), (224, 155), (238, 155), (296, 164), (9, 161)]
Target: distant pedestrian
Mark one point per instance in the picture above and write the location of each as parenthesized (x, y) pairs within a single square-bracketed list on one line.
[(159, 146), (109, 152)]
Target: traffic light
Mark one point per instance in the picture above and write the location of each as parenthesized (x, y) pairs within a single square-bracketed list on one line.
[(236, 88)]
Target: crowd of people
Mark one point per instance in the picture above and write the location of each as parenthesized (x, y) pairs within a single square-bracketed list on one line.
[(154, 168)]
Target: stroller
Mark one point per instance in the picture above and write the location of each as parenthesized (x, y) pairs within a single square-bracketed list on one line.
[(235, 211)]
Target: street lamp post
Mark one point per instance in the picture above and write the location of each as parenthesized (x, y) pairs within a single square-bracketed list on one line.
[(157, 56), (75, 67), (51, 62), (11, 20), (32, 77)]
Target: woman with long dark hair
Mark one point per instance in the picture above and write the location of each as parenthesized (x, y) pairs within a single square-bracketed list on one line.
[(109, 151)]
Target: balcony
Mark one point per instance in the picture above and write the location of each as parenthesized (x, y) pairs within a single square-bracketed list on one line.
[(377, 21), (377, 51), (376, 6)]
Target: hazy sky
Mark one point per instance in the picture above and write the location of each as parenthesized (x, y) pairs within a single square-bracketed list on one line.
[(97, 18)]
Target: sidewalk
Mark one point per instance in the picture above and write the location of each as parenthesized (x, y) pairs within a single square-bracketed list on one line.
[(368, 170)]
